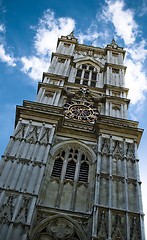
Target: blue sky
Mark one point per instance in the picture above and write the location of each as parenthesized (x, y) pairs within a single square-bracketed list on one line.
[(28, 34)]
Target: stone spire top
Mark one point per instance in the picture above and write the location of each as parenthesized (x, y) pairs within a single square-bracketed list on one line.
[(71, 35)]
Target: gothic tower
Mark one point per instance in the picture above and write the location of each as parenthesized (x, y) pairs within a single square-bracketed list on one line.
[(70, 171)]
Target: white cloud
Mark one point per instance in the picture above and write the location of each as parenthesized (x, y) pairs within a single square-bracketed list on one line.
[(136, 81), (138, 51), (123, 20), (2, 28), (34, 67), (88, 36), (47, 33), (4, 57), (126, 28), (143, 8)]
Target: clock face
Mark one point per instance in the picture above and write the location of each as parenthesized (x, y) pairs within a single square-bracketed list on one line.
[(81, 111)]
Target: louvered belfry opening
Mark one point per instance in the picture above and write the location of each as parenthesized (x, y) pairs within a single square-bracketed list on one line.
[(83, 174), (57, 168), (73, 160), (70, 170)]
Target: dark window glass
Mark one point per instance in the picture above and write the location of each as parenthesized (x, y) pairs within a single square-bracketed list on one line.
[(84, 66), (114, 70), (66, 45), (79, 73), (83, 157), (77, 81), (85, 82), (86, 74), (63, 154), (91, 68), (57, 168), (83, 174), (93, 84), (94, 75), (61, 60), (70, 170)]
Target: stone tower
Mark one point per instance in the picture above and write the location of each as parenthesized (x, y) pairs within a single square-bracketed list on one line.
[(70, 171)]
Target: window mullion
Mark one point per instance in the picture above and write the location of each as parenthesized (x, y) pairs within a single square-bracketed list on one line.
[(73, 199), (60, 189), (90, 78), (82, 76), (78, 166), (64, 165)]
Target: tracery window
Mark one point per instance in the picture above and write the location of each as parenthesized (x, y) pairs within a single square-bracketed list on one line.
[(86, 75), (69, 162)]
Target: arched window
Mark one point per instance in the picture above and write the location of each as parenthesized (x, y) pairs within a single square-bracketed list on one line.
[(69, 162), (68, 184), (86, 75)]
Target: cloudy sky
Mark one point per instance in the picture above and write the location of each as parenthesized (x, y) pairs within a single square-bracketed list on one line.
[(28, 34)]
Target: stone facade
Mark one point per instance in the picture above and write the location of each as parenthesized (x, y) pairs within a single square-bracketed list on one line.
[(70, 170)]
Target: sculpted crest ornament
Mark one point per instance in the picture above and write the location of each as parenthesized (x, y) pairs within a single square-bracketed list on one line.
[(61, 228), (81, 110)]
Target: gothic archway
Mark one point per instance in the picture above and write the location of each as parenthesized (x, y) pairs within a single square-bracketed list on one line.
[(69, 178), (58, 227)]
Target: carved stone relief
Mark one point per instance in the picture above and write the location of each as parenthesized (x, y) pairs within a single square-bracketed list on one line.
[(105, 149), (32, 136), (21, 131), (117, 149), (130, 151), (134, 230), (7, 209), (118, 227), (102, 226), (58, 228), (45, 137), (23, 211)]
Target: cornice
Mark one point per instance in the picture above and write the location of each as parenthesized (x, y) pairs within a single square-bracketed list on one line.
[(53, 76), (60, 55), (115, 66), (49, 86), (120, 127), (117, 99), (113, 87), (54, 115), (83, 47), (64, 39)]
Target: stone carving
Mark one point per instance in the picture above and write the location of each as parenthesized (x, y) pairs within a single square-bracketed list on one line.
[(117, 233), (23, 212), (20, 133), (102, 230), (84, 223), (72, 238), (61, 228), (130, 152), (71, 35), (45, 236), (45, 136), (6, 212), (105, 147), (82, 111), (134, 233), (32, 136), (117, 151)]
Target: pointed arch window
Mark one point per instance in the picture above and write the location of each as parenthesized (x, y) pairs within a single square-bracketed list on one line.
[(83, 174), (71, 164), (86, 75)]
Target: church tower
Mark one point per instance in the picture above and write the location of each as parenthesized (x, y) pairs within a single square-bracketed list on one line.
[(70, 171)]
